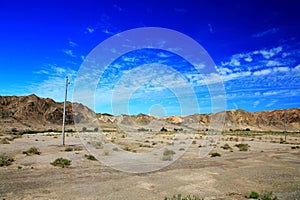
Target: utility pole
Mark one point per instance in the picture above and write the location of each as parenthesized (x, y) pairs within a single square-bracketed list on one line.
[(64, 113), (285, 126)]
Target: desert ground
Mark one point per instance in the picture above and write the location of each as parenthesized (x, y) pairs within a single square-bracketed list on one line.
[(270, 163)]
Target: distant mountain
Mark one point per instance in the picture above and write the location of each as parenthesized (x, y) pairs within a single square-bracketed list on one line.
[(276, 120), (35, 113)]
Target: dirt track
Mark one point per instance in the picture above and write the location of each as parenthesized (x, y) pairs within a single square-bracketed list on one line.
[(267, 166)]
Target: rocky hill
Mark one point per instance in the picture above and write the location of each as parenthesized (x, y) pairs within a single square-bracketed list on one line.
[(35, 113)]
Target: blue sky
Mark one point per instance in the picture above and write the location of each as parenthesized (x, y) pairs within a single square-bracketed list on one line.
[(255, 46)]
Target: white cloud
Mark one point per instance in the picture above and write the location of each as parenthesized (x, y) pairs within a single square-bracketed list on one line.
[(272, 63), (267, 32), (281, 69), (69, 52), (270, 93), (271, 103), (53, 85), (90, 30), (73, 44), (255, 103), (58, 70), (235, 75), (210, 28), (163, 55), (262, 72), (297, 68), (234, 62), (267, 54), (248, 58), (224, 70), (107, 32)]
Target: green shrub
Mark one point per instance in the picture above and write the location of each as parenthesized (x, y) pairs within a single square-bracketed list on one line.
[(69, 149), (168, 152), (129, 149), (61, 162), (215, 154), (5, 160), (32, 151), (263, 196), (90, 157), (180, 197), (163, 129), (168, 155), (242, 147), (84, 129), (253, 195), (267, 196), (115, 149), (226, 147)]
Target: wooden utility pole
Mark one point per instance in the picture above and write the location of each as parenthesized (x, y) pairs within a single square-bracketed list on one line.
[(64, 113)]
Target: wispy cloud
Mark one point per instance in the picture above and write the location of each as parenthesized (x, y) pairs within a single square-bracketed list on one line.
[(52, 82), (262, 72), (73, 44), (256, 103), (269, 53), (117, 7), (90, 30), (267, 32), (272, 103), (106, 31), (69, 52), (210, 28)]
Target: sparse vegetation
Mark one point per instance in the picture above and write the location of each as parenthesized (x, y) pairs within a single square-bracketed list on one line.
[(268, 196), (263, 196), (215, 154), (61, 162), (115, 149), (163, 129), (145, 145), (43, 131), (143, 129), (84, 129), (129, 149), (180, 197), (242, 147), (253, 195), (69, 149), (5, 160), (90, 157), (168, 155), (32, 151), (226, 147)]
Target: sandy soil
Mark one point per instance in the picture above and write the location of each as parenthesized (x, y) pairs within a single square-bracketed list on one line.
[(267, 166)]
